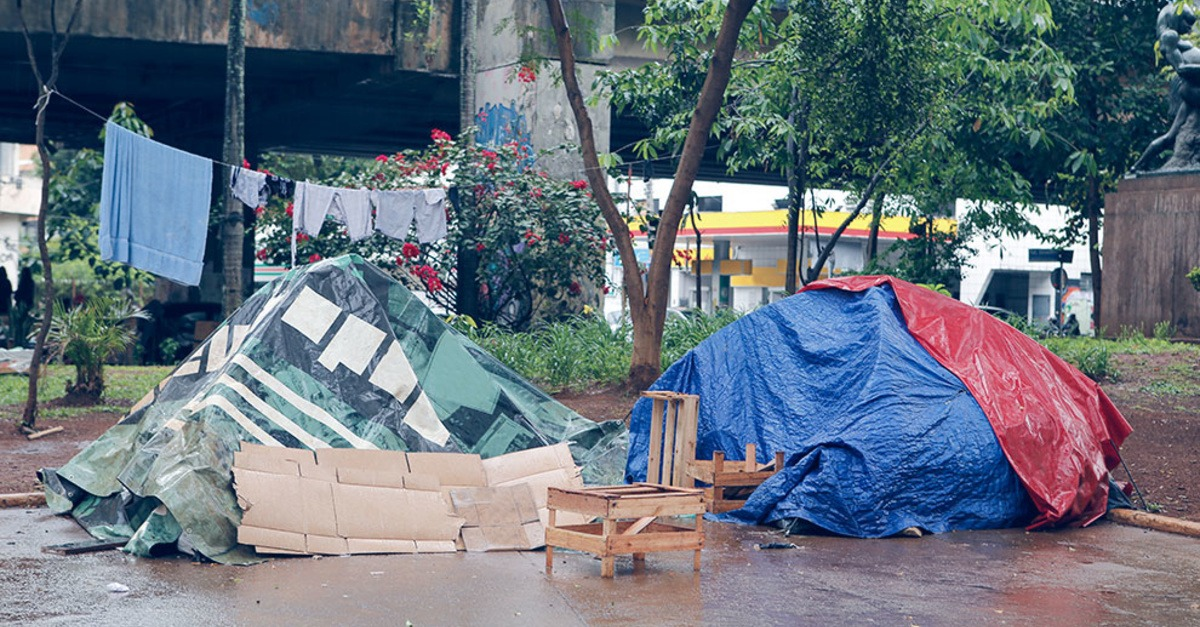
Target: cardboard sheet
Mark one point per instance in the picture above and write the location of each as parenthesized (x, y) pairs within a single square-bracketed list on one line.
[(345, 501)]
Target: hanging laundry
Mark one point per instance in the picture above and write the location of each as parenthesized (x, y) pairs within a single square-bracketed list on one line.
[(394, 211), (249, 186), (352, 207), (312, 204), (430, 216), (280, 187), (154, 203)]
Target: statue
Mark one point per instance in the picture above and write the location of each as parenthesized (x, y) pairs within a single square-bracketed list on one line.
[(1174, 21)]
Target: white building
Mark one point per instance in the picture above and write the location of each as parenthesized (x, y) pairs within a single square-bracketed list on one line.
[(746, 231), (1001, 274), (20, 196)]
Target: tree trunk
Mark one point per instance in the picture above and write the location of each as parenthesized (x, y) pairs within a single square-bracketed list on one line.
[(234, 226), (46, 90), (648, 301), (797, 182), (1094, 213), (873, 235)]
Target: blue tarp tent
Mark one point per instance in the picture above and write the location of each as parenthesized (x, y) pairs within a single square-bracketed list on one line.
[(880, 435)]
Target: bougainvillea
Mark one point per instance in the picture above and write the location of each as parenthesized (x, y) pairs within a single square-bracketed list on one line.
[(520, 245)]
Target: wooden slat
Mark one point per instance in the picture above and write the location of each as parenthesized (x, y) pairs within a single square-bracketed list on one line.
[(607, 566), (568, 539), (668, 445), (750, 463), (654, 469), (638, 526), (662, 506), (685, 437), (1155, 521), (652, 542), (571, 501)]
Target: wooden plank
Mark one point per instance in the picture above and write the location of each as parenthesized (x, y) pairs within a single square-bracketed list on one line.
[(1155, 521), (550, 524), (565, 538), (668, 447), (691, 409), (662, 506), (607, 565), (23, 499), (43, 433), (638, 526), (86, 546), (750, 462), (778, 461), (685, 438), (654, 469), (655, 542), (570, 501)]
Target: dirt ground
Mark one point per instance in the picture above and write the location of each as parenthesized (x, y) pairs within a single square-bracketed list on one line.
[(1158, 394)]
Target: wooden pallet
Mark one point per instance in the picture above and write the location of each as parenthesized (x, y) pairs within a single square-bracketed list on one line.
[(731, 482), (629, 522), (673, 421)]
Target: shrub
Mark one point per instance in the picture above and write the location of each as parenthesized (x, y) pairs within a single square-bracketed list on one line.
[(1090, 356), (87, 335), (1164, 330)]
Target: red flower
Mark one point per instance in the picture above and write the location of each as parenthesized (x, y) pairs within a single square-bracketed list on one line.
[(258, 211), (489, 154), (313, 258), (382, 158), (575, 288), (564, 239), (410, 250), (245, 164), (439, 135), (290, 209), (580, 184), (604, 289), (301, 237), (479, 247), (537, 192), (434, 284), (261, 254), (400, 260), (379, 176), (526, 74)]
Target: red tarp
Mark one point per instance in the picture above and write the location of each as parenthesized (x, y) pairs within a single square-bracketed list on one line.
[(1057, 427)]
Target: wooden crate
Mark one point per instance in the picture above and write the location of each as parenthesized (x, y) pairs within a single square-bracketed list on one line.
[(673, 421), (629, 522), (731, 482)]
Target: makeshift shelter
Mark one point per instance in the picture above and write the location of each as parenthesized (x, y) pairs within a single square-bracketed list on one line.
[(334, 354), (898, 407)]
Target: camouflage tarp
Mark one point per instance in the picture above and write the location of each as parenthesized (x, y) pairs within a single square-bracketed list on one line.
[(334, 354)]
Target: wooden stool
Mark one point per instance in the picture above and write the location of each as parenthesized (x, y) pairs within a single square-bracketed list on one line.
[(729, 480), (628, 524), (673, 422)]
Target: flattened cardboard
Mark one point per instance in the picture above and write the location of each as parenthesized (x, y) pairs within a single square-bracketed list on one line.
[(453, 469), (344, 501)]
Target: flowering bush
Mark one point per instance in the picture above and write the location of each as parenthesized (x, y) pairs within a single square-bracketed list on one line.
[(520, 245)]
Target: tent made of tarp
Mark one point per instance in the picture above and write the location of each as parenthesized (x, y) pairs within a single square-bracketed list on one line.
[(333, 354), (898, 407)]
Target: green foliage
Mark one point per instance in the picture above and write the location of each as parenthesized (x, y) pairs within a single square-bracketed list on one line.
[(88, 335), (584, 351), (521, 245), (1193, 275), (911, 95), (1090, 356), (1164, 330), (124, 386)]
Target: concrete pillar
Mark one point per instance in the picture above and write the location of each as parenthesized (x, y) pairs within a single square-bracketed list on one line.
[(533, 110)]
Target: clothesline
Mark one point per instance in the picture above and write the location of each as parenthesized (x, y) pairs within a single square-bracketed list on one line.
[(585, 169)]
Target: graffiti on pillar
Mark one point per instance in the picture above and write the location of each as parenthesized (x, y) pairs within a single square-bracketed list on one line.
[(263, 13), (501, 124)]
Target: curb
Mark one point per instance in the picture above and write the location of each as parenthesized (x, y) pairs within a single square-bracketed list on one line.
[(23, 500)]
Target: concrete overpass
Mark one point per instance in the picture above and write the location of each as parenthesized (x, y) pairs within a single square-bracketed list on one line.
[(356, 77)]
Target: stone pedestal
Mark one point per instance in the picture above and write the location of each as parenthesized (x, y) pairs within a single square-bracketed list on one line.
[(1151, 240)]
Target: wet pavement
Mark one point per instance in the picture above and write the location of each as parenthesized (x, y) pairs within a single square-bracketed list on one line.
[(1107, 574)]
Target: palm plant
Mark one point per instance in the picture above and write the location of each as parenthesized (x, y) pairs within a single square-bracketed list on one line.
[(87, 335)]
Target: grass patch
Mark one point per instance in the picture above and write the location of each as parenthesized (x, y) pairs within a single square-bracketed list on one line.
[(585, 352), (124, 385)]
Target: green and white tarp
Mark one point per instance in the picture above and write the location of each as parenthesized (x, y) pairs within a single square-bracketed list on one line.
[(333, 354)]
